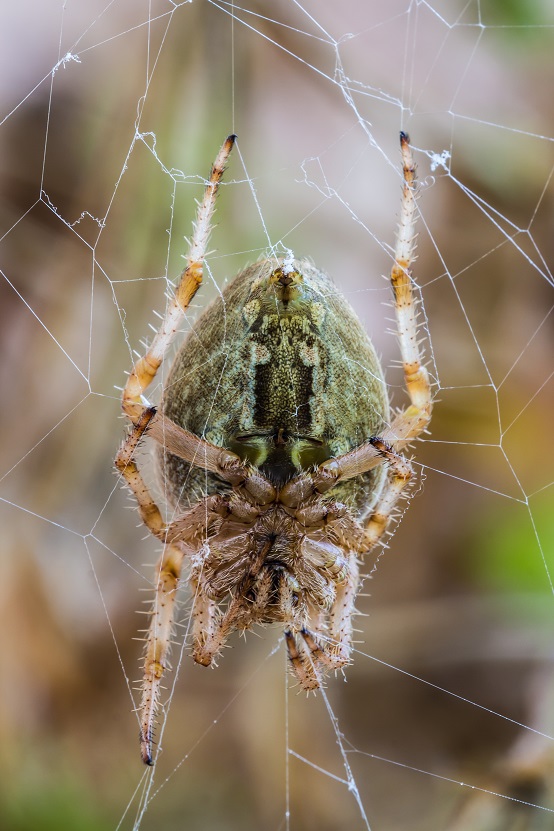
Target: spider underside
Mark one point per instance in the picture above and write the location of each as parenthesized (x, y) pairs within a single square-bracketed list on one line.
[(277, 452)]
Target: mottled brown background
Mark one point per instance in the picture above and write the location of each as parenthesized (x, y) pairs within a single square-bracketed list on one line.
[(462, 597)]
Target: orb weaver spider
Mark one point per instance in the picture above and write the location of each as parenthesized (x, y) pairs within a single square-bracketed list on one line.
[(277, 452)]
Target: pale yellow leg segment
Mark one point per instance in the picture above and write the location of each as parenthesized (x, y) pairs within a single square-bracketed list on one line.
[(125, 463), (146, 367), (158, 643), (340, 617), (399, 474), (409, 424), (141, 376), (206, 623)]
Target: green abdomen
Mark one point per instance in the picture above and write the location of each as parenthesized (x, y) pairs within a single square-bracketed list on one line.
[(284, 376)]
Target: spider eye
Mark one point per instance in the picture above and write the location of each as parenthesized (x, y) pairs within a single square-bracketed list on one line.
[(286, 284)]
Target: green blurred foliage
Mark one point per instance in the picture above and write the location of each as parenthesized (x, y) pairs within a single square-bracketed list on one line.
[(512, 549), (527, 15), (41, 802)]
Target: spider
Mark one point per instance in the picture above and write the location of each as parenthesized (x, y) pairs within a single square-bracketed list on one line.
[(276, 449)]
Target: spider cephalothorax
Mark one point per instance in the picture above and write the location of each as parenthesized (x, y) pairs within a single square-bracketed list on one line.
[(273, 433)]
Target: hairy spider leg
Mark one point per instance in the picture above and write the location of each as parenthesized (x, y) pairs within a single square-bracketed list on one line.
[(145, 369), (409, 423), (140, 378)]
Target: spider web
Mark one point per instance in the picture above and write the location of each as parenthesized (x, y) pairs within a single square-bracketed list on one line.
[(112, 114)]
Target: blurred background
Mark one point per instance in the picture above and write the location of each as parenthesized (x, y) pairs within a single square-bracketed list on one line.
[(111, 116)]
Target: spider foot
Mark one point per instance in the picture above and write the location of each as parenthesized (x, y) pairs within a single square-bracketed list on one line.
[(146, 742), (148, 708), (212, 627), (328, 655), (304, 668), (204, 653)]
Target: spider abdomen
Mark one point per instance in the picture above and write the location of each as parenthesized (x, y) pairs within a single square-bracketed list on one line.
[(279, 370)]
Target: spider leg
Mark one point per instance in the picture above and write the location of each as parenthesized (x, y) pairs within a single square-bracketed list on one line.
[(211, 627), (126, 465), (340, 617), (184, 536), (303, 668), (206, 624), (413, 421), (316, 648), (201, 453), (326, 643), (329, 643), (158, 642), (400, 473), (409, 423), (331, 648), (187, 527), (147, 366)]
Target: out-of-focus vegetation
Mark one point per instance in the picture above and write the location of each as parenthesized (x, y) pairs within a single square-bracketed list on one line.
[(462, 598)]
